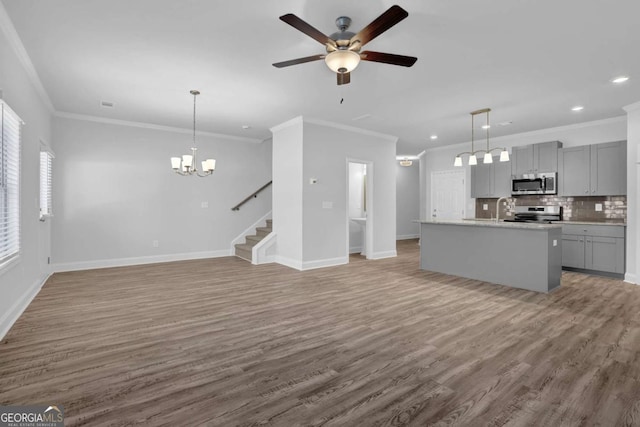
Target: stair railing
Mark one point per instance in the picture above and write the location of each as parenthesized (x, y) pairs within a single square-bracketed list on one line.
[(252, 196)]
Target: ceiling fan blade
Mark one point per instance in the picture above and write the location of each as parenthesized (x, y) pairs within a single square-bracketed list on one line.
[(344, 78), (382, 23), (298, 61), (388, 58), (312, 32)]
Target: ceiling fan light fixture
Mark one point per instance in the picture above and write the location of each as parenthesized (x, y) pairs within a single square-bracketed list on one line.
[(342, 61)]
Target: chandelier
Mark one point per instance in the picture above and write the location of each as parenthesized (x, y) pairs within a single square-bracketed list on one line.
[(473, 160), (187, 164)]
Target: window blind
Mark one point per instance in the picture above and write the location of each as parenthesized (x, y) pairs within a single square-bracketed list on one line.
[(46, 163), (9, 185)]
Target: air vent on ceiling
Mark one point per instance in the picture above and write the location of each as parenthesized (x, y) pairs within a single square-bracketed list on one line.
[(107, 104)]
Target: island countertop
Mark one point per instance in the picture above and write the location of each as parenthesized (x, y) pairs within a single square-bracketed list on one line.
[(491, 223)]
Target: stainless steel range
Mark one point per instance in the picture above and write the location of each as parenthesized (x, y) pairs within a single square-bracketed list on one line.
[(539, 214)]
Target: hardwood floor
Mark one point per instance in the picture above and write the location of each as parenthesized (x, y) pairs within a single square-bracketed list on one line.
[(374, 343)]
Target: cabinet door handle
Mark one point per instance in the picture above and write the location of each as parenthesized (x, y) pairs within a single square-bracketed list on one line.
[(593, 191), (586, 191), (588, 241)]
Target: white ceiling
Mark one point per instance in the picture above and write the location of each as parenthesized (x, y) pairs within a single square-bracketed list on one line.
[(529, 61)]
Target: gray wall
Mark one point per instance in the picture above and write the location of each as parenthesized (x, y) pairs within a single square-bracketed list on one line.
[(21, 280), (115, 194)]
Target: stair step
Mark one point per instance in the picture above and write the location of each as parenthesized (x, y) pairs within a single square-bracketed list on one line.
[(252, 240), (244, 251), (263, 231), (270, 223)]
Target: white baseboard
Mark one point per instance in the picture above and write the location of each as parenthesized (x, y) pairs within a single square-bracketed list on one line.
[(16, 310), (407, 236), (289, 262), (382, 255), (355, 250), (322, 263), (124, 262), (631, 278)]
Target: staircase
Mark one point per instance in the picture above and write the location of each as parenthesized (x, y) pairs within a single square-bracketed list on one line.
[(244, 250)]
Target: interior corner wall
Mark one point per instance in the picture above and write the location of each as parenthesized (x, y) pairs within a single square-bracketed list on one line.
[(326, 153), (407, 200), (118, 202), (21, 280), (633, 195), (287, 192)]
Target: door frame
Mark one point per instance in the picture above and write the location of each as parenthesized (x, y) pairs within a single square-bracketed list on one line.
[(368, 232)]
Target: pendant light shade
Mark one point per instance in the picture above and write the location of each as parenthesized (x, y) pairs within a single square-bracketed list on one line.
[(504, 155), (458, 161), (487, 158)]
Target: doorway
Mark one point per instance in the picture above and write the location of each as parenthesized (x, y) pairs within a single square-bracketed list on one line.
[(359, 207), (448, 196)]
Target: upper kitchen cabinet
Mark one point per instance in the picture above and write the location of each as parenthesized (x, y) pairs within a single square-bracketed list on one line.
[(491, 180), (535, 158), (609, 169), (593, 170)]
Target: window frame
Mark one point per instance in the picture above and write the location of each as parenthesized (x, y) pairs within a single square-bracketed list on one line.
[(46, 182)]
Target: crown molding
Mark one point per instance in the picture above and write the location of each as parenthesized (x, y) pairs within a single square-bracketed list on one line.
[(390, 138), (631, 108), (95, 119), (295, 121), (539, 132), (9, 31)]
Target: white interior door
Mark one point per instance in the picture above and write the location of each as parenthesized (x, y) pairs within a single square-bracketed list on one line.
[(448, 194)]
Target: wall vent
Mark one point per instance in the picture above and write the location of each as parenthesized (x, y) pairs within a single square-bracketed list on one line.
[(107, 104)]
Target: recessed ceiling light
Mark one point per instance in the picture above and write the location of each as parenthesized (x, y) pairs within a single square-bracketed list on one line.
[(245, 127), (620, 79), (486, 126), (434, 137), (577, 108)]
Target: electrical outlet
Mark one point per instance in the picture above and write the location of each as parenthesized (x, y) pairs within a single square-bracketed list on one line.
[(204, 205), (155, 243), (598, 207), (485, 207)]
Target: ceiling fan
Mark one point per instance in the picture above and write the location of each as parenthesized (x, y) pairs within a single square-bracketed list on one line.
[(343, 47)]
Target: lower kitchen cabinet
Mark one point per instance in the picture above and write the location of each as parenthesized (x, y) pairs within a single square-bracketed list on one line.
[(593, 247)]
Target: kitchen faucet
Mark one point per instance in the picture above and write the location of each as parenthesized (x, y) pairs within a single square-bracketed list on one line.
[(498, 207)]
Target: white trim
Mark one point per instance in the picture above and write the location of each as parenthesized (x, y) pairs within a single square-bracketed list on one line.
[(295, 121), (355, 249), (541, 132), (289, 262), (259, 250), (23, 57), (382, 255), (407, 236), (632, 107), (389, 138), (631, 278), (322, 263), (123, 262), (13, 314), (88, 118), (249, 230)]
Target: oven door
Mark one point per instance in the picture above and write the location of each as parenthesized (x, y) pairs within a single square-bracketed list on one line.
[(527, 186)]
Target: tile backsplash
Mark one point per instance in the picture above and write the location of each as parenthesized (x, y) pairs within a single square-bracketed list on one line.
[(614, 208)]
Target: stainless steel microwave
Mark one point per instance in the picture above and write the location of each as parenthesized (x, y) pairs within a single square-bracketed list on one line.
[(539, 183)]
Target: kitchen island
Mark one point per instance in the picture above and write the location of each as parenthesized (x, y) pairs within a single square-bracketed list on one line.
[(516, 254)]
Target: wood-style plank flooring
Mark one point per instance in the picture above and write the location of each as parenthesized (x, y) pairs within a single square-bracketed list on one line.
[(374, 343)]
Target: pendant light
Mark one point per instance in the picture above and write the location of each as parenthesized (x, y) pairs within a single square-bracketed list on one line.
[(487, 157), (187, 164)]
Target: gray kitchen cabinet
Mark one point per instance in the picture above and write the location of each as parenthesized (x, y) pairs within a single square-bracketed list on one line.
[(574, 171), (482, 180), (609, 169), (593, 170), (594, 247), (542, 157), (491, 180)]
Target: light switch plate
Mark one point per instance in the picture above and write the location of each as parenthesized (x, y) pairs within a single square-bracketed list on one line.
[(598, 207), (555, 242)]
